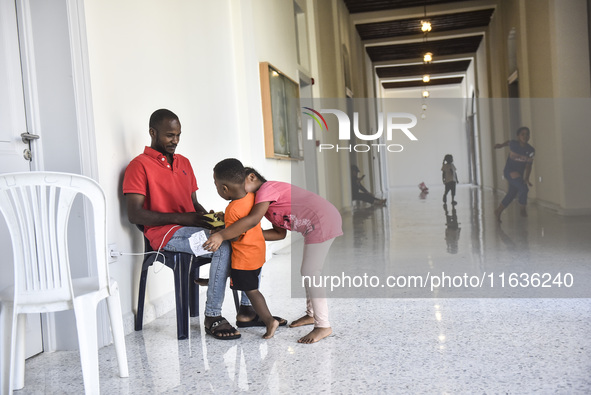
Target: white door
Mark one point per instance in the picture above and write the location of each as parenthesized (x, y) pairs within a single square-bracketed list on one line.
[(13, 148)]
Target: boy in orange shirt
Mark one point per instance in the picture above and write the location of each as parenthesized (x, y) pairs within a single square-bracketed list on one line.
[(248, 250)]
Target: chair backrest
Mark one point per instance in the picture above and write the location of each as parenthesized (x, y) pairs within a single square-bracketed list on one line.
[(36, 206)]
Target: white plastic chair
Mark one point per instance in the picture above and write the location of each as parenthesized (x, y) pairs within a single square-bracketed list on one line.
[(36, 207)]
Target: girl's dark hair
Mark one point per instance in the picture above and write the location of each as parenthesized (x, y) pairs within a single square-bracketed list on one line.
[(522, 128), (250, 170), (448, 158)]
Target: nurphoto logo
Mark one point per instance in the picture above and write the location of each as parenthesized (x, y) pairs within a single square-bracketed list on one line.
[(396, 123)]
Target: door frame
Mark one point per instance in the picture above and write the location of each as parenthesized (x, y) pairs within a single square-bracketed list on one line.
[(81, 82), (311, 159), (84, 119)]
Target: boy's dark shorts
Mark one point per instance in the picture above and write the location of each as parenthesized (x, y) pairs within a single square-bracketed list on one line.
[(244, 280)]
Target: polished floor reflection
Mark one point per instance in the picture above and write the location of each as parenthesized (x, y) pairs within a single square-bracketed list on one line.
[(405, 337)]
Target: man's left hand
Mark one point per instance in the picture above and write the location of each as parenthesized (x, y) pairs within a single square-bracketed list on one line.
[(202, 221)]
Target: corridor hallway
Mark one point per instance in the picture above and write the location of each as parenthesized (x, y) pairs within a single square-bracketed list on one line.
[(467, 338)]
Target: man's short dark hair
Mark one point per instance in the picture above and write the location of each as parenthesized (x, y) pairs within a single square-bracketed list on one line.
[(522, 128), (230, 170), (160, 116)]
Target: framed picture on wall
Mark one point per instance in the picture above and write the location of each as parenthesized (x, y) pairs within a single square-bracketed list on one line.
[(281, 114)]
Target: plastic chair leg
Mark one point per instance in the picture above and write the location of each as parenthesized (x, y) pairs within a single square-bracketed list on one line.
[(116, 318), (8, 361), (86, 324), (181, 284), (5, 350), (193, 299), (193, 289), (18, 370), (236, 300), (139, 316)]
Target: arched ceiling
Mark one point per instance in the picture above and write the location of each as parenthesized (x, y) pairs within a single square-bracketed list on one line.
[(391, 33)]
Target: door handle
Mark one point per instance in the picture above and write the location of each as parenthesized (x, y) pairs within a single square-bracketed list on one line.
[(27, 154), (28, 137)]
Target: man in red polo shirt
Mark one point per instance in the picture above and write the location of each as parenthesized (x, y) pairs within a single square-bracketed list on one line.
[(160, 189)]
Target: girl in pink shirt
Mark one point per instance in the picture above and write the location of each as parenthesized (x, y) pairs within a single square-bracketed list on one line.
[(288, 207)]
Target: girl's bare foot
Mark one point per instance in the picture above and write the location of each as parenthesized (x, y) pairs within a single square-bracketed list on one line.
[(271, 329), (317, 334), (305, 320)]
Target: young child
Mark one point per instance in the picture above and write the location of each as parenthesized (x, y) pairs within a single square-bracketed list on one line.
[(517, 170), (450, 178), (291, 208), (248, 248)]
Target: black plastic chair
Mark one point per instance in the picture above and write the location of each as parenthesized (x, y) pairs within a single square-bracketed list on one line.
[(186, 268)]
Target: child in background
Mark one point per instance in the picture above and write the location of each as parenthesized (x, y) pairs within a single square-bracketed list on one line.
[(292, 208), (248, 248), (450, 178), (517, 170)]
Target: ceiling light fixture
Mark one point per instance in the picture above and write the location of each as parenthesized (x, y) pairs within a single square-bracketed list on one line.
[(426, 28), (424, 106), (427, 58), (425, 22)]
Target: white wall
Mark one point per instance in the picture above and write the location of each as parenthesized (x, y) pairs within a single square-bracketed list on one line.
[(442, 132), (149, 55), (572, 58), (274, 41)]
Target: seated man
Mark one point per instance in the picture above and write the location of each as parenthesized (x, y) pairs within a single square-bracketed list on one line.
[(160, 190), (359, 192)]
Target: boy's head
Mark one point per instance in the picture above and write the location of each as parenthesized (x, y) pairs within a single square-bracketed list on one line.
[(228, 176)]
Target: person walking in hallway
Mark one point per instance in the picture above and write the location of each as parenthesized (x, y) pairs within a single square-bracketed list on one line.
[(517, 170)]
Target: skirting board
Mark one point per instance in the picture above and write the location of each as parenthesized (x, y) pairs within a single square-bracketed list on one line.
[(567, 212)]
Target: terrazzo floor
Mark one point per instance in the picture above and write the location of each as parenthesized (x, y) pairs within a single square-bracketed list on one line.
[(469, 339)]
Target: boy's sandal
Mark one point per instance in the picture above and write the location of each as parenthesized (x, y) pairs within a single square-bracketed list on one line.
[(217, 330)]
